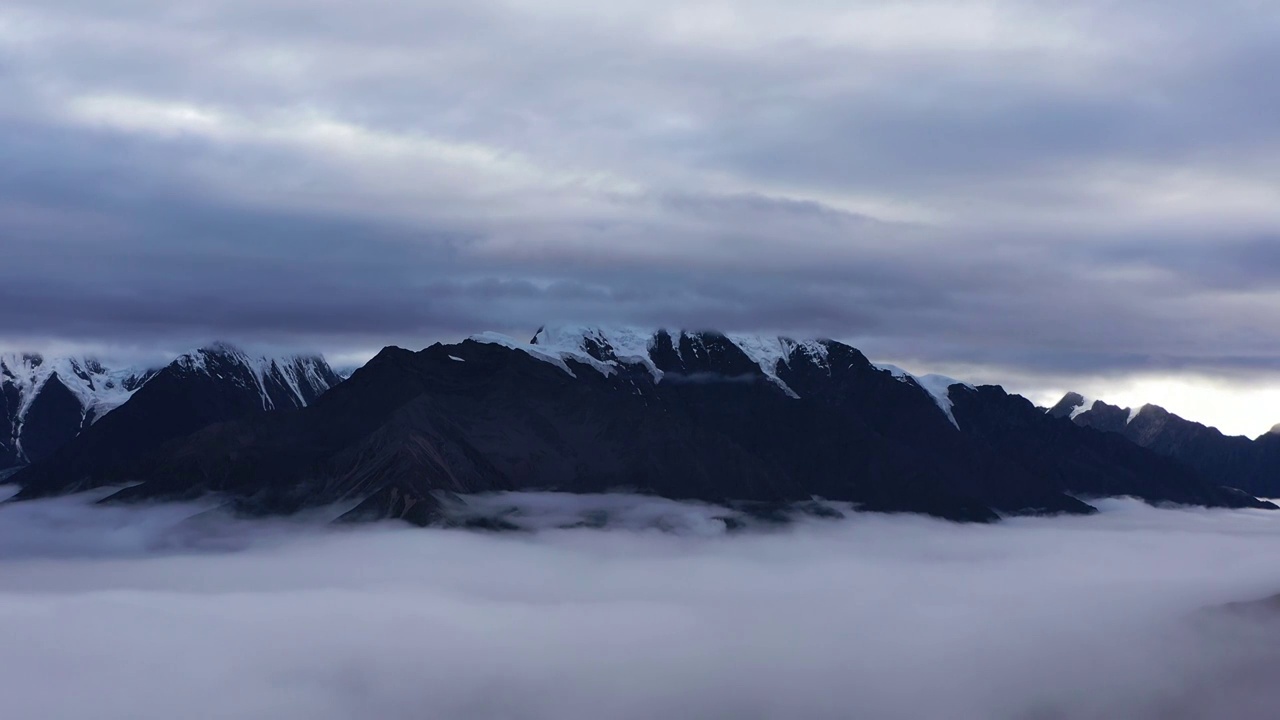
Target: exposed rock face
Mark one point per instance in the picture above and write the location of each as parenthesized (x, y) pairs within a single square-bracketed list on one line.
[(1249, 465), (683, 415)]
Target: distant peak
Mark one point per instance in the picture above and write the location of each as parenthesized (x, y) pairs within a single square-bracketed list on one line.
[(1139, 409), (1071, 406), (1073, 399), (296, 374)]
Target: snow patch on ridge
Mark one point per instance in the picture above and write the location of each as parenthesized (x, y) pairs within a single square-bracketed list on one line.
[(1133, 414), (937, 386), (606, 349), (1082, 408), (493, 338), (290, 372), (1089, 404), (626, 345), (558, 345), (767, 353), (770, 352)]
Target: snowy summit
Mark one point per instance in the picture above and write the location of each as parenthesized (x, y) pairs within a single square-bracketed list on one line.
[(607, 349)]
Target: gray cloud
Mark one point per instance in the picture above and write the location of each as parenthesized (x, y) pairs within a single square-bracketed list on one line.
[(142, 612), (1061, 191)]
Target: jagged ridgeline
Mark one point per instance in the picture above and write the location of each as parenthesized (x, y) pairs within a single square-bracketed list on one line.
[(685, 415), (68, 416), (45, 402), (1251, 464)]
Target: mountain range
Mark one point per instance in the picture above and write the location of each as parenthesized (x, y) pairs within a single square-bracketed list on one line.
[(1251, 464), (755, 422)]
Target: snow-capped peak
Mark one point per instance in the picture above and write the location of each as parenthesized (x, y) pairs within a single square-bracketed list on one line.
[(292, 373), (770, 352), (599, 347), (937, 386), (24, 377), (1085, 406), (556, 355), (1073, 405), (36, 416), (606, 349), (98, 388)]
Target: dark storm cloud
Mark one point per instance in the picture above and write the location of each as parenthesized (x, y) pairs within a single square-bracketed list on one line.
[(925, 128), (1061, 190)]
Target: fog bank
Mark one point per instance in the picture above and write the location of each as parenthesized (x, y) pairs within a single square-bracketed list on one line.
[(175, 611)]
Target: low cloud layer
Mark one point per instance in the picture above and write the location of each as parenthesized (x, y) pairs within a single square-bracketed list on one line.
[(138, 613)]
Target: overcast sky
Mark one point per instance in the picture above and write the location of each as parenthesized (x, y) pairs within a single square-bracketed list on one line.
[(1055, 196)]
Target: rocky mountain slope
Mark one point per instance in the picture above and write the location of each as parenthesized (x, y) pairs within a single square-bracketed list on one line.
[(1252, 465)]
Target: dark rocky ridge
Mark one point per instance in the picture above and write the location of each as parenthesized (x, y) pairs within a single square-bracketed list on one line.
[(210, 385), (476, 417), (1250, 465), (53, 419)]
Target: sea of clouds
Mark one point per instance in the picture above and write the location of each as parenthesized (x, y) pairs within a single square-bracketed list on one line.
[(178, 611)]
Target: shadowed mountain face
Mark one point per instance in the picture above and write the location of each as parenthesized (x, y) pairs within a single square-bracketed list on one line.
[(1082, 460), (45, 402), (1250, 465), (210, 385), (683, 415)]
